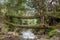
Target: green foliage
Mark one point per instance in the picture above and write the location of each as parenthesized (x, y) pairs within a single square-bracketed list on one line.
[(14, 20), (13, 6), (52, 32), (7, 27), (38, 21), (58, 8)]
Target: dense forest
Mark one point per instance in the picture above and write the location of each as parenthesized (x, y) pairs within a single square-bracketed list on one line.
[(30, 17)]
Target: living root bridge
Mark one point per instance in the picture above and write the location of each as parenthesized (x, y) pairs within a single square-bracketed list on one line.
[(39, 26)]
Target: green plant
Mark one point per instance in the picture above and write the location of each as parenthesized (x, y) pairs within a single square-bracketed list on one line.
[(52, 32)]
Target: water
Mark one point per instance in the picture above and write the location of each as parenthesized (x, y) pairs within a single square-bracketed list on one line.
[(28, 35)]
